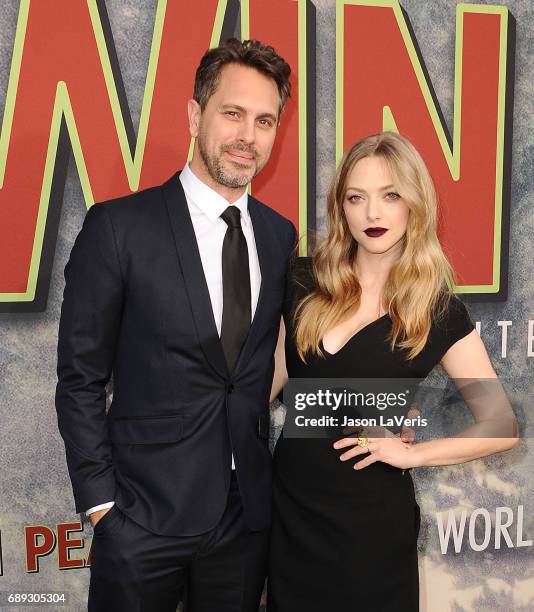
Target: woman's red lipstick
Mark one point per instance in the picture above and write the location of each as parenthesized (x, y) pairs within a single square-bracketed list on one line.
[(375, 232)]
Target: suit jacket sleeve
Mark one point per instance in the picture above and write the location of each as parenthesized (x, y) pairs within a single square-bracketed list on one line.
[(88, 331)]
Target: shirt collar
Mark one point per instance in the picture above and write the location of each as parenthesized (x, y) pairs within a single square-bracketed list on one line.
[(206, 199)]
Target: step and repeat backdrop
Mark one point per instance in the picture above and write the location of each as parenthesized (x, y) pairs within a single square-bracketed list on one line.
[(93, 99)]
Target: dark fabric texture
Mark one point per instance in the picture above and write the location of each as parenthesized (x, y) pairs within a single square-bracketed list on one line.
[(345, 539), (135, 569), (136, 305)]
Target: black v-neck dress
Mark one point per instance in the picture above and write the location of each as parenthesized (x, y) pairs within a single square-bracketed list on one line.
[(346, 540)]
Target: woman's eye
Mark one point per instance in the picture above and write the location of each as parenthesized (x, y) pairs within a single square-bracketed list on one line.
[(392, 196), (354, 198)]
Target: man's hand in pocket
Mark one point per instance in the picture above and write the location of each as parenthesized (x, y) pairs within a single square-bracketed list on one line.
[(95, 516)]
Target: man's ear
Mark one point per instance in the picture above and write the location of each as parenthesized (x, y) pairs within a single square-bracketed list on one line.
[(194, 112)]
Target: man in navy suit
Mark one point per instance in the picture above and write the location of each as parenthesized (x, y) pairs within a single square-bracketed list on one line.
[(177, 291)]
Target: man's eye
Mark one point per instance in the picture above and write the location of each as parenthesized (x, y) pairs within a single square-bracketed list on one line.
[(232, 114), (265, 123)]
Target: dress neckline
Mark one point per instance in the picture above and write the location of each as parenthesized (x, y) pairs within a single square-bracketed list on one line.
[(354, 335)]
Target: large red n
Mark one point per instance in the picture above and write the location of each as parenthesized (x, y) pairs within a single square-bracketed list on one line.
[(382, 84)]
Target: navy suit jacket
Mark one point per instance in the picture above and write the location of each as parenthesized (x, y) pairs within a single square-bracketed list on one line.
[(136, 305)]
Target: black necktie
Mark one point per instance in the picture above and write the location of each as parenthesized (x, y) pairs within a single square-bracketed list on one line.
[(236, 316)]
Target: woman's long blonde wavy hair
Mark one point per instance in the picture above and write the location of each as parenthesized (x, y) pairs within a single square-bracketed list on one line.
[(416, 290)]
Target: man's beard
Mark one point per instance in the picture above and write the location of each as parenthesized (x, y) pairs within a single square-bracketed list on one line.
[(223, 175)]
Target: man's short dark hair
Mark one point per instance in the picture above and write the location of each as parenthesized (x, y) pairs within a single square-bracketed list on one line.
[(251, 53)]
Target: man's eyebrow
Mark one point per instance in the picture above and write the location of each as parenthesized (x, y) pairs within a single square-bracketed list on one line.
[(233, 106), (268, 116), (242, 109)]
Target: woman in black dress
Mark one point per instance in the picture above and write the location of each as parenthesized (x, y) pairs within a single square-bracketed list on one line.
[(374, 303)]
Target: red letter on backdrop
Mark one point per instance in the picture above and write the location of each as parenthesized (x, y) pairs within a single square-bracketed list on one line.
[(37, 547), (381, 84), (64, 73), (66, 544)]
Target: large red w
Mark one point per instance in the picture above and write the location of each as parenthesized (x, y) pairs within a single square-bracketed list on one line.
[(65, 85)]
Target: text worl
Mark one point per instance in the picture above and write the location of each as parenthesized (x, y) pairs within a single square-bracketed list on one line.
[(503, 527)]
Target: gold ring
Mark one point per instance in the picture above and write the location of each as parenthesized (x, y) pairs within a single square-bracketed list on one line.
[(363, 441)]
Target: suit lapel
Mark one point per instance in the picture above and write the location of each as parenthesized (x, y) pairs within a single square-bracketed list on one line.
[(193, 273)]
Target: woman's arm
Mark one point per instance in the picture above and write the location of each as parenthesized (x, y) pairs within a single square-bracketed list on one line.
[(280, 371), (495, 428)]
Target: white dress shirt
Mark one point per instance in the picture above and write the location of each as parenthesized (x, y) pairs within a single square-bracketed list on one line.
[(205, 208)]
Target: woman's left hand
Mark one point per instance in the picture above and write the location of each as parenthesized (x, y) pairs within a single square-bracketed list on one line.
[(390, 449)]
